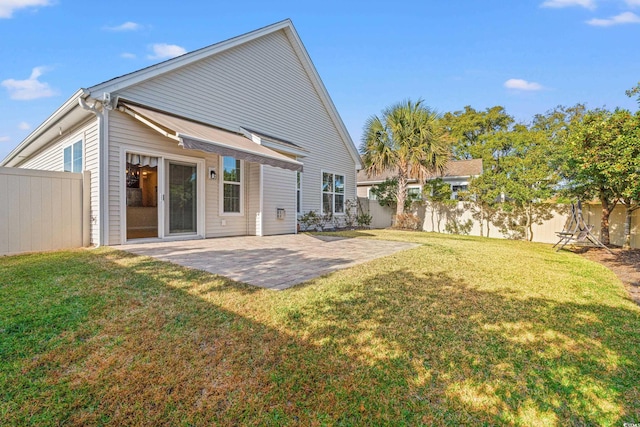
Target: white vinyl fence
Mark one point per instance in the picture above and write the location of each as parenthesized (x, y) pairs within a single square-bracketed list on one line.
[(43, 210), (445, 220)]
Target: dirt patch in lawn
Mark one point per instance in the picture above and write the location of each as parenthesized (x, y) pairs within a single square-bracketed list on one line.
[(624, 263)]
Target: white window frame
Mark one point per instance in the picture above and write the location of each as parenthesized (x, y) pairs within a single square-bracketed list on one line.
[(371, 196), (162, 156), (223, 182), (419, 187), (454, 193), (71, 146), (333, 193)]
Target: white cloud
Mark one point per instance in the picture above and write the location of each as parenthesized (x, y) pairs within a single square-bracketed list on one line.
[(127, 26), (24, 126), (127, 55), (7, 7), (558, 4), (623, 18), (165, 51), (633, 3), (31, 88), (519, 84), (5, 138)]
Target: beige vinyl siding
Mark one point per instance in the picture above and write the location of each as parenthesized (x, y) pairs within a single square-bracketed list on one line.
[(263, 86), (126, 133), (253, 218), (132, 136), (92, 165), (220, 225), (279, 192), (51, 158)]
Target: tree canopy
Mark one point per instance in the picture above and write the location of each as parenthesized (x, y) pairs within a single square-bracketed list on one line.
[(408, 139), (568, 151)]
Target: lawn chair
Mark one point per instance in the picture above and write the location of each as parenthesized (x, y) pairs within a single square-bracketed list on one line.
[(577, 232)]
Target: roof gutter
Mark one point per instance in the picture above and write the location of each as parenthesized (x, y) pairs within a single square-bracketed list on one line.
[(100, 110)]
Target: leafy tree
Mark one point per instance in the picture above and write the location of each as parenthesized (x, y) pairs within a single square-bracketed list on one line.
[(482, 135), (634, 91), (630, 147), (386, 193), (602, 160), (625, 169), (438, 193), (407, 138), (474, 131), (484, 198), (530, 177)]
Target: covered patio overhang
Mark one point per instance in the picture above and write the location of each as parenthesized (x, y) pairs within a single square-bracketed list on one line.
[(193, 135)]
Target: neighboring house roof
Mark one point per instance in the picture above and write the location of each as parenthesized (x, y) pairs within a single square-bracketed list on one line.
[(454, 169), (71, 109)]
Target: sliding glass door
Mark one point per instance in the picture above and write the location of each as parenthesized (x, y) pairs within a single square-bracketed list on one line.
[(183, 189), (141, 180)]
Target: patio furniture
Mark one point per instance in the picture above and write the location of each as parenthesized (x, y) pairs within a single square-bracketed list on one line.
[(577, 232)]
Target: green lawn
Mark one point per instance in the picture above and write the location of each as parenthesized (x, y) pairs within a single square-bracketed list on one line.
[(458, 331)]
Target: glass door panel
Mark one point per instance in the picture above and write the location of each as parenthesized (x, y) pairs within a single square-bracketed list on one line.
[(182, 198), (141, 182)]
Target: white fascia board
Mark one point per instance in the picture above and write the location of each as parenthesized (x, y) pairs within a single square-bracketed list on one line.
[(152, 71), (58, 115), (284, 149)]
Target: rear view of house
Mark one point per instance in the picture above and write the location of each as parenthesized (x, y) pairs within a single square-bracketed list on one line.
[(237, 138)]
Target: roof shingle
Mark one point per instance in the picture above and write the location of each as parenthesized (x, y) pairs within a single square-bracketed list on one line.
[(454, 168)]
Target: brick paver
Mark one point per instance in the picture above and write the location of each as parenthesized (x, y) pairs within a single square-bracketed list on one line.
[(274, 262)]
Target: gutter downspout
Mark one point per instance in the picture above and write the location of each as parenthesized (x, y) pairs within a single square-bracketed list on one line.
[(102, 165)]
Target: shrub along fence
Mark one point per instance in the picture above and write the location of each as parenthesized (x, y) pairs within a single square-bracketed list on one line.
[(43, 210), (463, 218)]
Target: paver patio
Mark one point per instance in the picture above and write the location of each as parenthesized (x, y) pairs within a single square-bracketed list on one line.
[(274, 262)]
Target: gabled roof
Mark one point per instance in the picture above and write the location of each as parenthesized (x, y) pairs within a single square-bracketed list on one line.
[(130, 79), (454, 169), (286, 25)]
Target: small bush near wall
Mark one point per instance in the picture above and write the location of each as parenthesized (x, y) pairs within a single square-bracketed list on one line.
[(364, 220), (354, 217), (407, 221), (313, 221)]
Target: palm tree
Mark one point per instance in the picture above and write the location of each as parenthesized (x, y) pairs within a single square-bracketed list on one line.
[(407, 138)]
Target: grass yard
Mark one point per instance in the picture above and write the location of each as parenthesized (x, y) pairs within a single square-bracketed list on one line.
[(459, 331)]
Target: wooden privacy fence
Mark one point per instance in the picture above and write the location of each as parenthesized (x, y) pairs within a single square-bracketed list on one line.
[(43, 210), (436, 220)]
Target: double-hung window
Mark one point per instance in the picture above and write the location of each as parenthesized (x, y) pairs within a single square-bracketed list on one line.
[(73, 157), (332, 193), (231, 185)]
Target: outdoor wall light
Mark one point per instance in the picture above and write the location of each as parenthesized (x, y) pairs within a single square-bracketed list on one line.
[(212, 173)]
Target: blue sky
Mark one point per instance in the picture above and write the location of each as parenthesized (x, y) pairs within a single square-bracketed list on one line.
[(528, 56)]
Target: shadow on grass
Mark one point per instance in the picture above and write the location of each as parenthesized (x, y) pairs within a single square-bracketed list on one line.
[(345, 234), (156, 346), (457, 354)]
